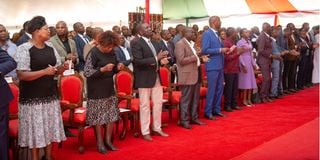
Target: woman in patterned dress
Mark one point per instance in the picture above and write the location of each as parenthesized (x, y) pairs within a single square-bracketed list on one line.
[(102, 108), (40, 121)]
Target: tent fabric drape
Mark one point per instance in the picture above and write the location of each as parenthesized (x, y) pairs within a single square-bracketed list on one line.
[(182, 9)]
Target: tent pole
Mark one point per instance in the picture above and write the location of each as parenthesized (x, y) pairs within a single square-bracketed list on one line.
[(187, 22), (147, 15)]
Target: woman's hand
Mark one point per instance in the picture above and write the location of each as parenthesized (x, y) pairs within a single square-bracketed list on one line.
[(244, 69), (107, 68), (50, 70)]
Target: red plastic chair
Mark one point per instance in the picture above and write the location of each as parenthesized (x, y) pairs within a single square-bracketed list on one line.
[(73, 113), (124, 88), (170, 94), (13, 120)]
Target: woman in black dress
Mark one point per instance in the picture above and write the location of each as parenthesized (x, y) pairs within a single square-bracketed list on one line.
[(99, 69), (40, 121)]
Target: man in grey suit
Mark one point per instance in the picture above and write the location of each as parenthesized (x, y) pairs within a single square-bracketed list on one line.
[(188, 63), (65, 47), (265, 55)]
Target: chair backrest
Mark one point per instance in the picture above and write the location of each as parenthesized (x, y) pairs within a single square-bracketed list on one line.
[(13, 105), (165, 77), (71, 88), (124, 82)]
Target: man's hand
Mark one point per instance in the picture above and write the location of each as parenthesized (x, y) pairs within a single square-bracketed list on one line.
[(162, 54), (205, 58), (225, 50), (164, 61)]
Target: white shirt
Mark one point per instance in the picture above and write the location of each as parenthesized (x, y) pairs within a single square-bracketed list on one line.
[(191, 44), (83, 38)]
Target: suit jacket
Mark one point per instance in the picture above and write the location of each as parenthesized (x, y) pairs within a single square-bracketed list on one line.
[(145, 64), (211, 45), (23, 39), (58, 45), (170, 50), (121, 57), (80, 45), (264, 49), (186, 63), (7, 64)]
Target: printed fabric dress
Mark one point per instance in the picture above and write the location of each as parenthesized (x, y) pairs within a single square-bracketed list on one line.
[(102, 102), (246, 80), (40, 121)]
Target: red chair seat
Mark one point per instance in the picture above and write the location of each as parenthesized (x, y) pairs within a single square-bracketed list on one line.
[(203, 91), (78, 117), (176, 95), (13, 128), (134, 104)]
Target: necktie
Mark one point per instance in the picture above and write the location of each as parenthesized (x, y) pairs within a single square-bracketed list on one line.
[(154, 52)]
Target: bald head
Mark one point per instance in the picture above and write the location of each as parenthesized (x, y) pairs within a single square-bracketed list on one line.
[(78, 27), (62, 29), (214, 22), (188, 33), (266, 27)]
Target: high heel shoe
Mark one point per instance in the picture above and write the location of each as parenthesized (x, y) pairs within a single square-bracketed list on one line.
[(111, 147), (102, 149), (246, 104)]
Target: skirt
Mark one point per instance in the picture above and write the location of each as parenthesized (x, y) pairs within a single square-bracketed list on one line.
[(102, 111), (40, 124)]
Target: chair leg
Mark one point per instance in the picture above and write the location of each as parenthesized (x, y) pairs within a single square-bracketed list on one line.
[(136, 119), (80, 139), (170, 112)]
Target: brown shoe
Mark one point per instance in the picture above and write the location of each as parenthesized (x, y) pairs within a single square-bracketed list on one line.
[(160, 133), (147, 137)]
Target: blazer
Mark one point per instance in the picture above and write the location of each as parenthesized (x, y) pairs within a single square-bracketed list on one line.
[(211, 46), (144, 64), (264, 49), (23, 39), (80, 45), (170, 50), (121, 57), (186, 63), (58, 45), (7, 64)]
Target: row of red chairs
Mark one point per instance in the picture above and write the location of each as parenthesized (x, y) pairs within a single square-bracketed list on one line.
[(74, 113)]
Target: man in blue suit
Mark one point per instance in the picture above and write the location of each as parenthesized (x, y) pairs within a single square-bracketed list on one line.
[(81, 40), (7, 64), (212, 47)]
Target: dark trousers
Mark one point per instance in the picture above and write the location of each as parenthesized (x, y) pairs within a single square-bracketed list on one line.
[(230, 89), (189, 98), (4, 137), (309, 69), (266, 80), (289, 75), (302, 72)]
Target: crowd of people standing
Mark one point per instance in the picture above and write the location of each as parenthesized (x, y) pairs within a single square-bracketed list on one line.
[(287, 58)]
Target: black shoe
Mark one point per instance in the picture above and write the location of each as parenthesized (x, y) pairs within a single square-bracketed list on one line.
[(220, 114), (185, 125), (236, 108), (110, 147), (228, 109), (68, 133), (101, 149), (209, 117), (198, 122)]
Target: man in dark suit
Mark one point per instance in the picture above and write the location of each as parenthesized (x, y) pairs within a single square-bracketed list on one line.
[(7, 64), (265, 55), (146, 59), (26, 35), (124, 54), (212, 46), (81, 40), (188, 64), (166, 44)]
